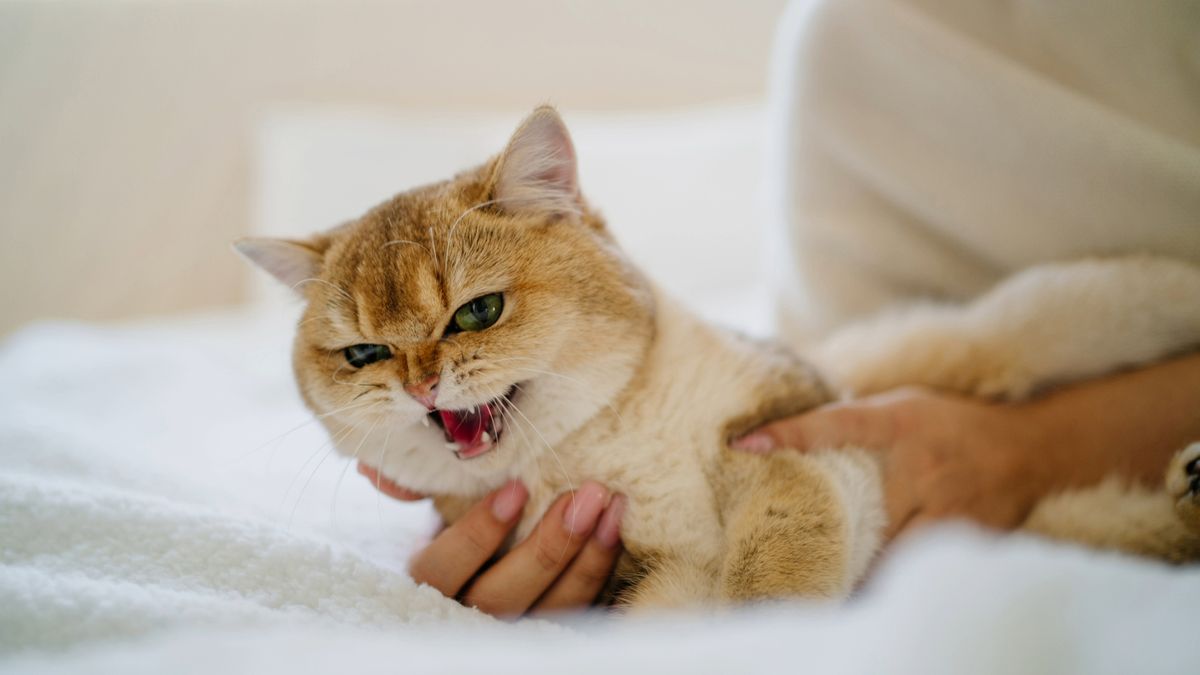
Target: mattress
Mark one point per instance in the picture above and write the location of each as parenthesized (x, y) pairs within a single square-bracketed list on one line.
[(167, 505)]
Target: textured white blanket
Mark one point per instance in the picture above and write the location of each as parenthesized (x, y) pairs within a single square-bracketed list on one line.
[(160, 511)]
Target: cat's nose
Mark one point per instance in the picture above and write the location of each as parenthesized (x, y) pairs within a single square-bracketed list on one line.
[(424, 391)]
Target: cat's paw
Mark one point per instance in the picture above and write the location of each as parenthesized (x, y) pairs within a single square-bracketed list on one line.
[(1183, 484)]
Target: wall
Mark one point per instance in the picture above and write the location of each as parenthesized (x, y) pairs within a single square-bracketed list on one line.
[(126, 127)]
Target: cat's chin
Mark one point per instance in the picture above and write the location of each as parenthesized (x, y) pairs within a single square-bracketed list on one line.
[(431, 468)]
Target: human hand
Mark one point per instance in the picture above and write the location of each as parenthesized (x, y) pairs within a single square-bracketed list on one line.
[(943, 456), (562, 564)]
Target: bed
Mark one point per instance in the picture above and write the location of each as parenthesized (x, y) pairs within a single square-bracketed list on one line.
[(166, 505)]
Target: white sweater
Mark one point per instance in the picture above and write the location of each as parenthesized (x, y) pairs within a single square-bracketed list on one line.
[(930, 147)]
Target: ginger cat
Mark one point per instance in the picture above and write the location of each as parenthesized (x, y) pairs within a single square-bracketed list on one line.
[(488, 327)]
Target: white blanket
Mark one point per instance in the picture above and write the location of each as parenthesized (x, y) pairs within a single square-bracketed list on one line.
[(156, 516)]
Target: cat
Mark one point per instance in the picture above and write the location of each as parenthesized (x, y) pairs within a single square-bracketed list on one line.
[(488, 327)]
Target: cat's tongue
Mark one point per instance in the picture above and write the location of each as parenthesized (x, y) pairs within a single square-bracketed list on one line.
[(466, 427)]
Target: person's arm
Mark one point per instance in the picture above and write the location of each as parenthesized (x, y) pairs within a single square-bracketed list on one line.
[(562, 565), (947, 456)]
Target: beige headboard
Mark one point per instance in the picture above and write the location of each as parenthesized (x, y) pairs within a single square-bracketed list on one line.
[(126, 127)]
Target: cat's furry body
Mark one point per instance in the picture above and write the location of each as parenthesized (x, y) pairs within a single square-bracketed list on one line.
[(664, 444), (595, 375)]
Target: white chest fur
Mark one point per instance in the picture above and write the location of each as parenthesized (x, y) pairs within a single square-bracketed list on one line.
[(660, 442)]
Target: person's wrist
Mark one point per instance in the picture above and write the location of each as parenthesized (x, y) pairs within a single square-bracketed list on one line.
[(1034, 453), (1051, 439)]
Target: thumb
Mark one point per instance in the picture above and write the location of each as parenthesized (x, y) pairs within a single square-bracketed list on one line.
[(832, 425), (387, 486)]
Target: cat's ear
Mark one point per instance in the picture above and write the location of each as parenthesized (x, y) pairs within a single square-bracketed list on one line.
[(536, 174), (291, 262)]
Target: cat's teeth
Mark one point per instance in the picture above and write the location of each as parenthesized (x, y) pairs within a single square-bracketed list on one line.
[(452, 446), (425, 421), (486, 437)]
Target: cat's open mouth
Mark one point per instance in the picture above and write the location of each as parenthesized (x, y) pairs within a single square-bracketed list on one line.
[(474, 431)]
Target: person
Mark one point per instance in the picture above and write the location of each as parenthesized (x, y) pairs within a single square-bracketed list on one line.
[(928, 149)]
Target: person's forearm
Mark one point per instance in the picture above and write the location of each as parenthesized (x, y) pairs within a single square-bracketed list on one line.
[(1129, 424)]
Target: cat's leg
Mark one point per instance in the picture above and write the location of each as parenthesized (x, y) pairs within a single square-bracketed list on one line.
[(668, 583), (801, 525), (1047, 325), (1114, 515), (1183, 486)]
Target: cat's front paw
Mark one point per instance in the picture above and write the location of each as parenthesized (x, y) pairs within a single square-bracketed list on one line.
[(1183, 484)]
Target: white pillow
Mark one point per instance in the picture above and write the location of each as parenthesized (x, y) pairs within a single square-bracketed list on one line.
[(680, 189)]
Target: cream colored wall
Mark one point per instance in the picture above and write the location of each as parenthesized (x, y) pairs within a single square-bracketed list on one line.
[(126, 127)]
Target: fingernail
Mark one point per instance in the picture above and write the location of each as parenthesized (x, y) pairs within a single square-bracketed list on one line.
[(509, 501), (608, 532), (755, 442), (585, 507)]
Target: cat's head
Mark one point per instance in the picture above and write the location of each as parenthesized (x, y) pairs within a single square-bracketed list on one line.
[(461, 329)]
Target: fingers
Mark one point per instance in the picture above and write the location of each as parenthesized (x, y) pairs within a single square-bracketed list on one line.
[(862, 423), (916, 523), (450, 561), (512, 585), (901, 521), (387, 487), (589, 571)]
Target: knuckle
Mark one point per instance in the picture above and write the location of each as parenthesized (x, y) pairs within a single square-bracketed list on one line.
[(551, 554), (495, 598), (860, 426), (592, 574), (785, 434), (422, 572), (478, 537), (482, 603)]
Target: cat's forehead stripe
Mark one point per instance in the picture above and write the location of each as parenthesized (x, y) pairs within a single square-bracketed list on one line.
[(411, 262), (399, 298)]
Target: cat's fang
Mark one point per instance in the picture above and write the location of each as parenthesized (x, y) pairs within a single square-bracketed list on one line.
[(474, 431)]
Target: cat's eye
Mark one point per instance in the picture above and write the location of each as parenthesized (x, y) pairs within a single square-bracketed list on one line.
[(477, 314), (363, 355)]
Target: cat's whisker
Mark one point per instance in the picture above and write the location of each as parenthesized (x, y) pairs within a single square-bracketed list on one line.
[(584, 394), (342, 476), (373, 388), (507, 408), (340, 290), (332, 451), (562, 468), (454, 225), (583, 385), (333, 376), (352, 406), (396, 242), (303, 322), (332, 440), (349, 408), (379, 476), (433, 253), (294, 429), (450, 232), (553, 453)]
